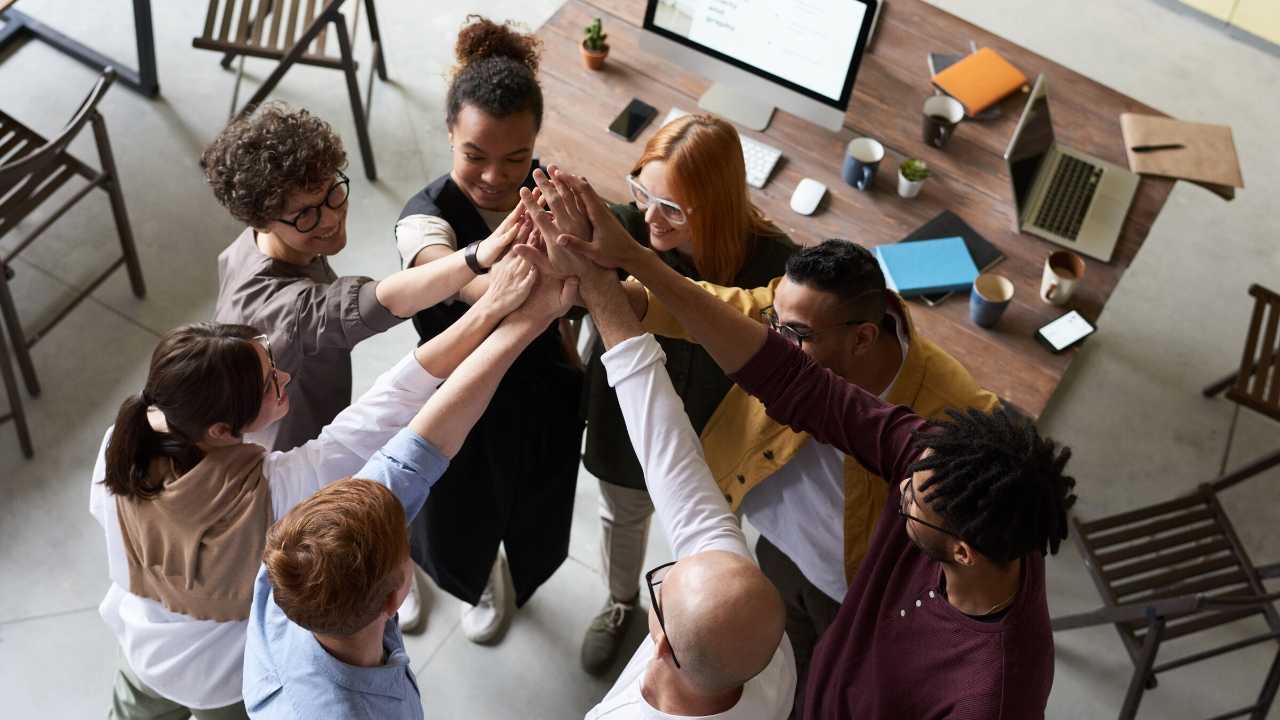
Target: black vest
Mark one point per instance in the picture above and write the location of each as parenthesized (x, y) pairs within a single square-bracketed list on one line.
[(513, 480)]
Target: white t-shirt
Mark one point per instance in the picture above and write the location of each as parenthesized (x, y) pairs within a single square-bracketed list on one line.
[(800, 509), (767, 696), (414, 233)]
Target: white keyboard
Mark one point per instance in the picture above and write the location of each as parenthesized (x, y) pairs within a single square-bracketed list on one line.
[(759, 158)]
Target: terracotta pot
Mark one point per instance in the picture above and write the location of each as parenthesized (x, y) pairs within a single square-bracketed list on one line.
[(594, 60)]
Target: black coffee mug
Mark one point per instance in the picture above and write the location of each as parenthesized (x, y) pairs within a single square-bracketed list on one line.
[(861, 160), (941, 116)]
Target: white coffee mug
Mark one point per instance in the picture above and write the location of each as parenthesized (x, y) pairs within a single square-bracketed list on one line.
[(1062, 271)]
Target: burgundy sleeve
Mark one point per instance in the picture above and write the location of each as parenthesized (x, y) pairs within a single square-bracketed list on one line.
[(801, 394)]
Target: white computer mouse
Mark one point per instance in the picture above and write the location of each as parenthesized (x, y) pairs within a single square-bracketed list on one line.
[(807, 196)]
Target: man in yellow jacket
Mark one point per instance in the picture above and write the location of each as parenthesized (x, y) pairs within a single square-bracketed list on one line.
[(818, 509)]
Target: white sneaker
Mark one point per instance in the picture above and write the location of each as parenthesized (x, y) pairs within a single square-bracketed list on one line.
[(412, 615), (482, 622)]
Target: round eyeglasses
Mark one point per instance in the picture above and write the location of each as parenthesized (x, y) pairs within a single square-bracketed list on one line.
[(308, 218), (670, 209)]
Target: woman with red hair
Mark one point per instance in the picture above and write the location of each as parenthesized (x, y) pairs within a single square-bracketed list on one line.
[(691, 204)]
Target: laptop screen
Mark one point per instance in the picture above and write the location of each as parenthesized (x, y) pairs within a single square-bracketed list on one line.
[(1030, 144)]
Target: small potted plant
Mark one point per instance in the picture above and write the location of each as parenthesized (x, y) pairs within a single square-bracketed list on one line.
[(911, 176), (594, 47)]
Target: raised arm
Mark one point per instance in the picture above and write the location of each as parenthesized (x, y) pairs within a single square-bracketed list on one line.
[(362, 428), (692, 510), (420, 287)]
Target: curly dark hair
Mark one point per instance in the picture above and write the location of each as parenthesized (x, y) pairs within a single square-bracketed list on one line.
[(256, 162), (996, 482), (497, 71), (844, 269)]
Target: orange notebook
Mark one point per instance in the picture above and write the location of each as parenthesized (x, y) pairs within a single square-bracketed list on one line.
[(980, 80)]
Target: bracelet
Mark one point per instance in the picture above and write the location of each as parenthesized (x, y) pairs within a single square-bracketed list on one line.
[(473, 262)]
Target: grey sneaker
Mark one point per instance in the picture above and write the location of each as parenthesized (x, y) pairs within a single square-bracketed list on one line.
[(604, 637)]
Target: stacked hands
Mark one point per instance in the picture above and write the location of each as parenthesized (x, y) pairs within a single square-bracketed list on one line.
[(573, 237)]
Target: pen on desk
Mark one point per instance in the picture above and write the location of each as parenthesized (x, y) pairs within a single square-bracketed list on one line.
[(1153, 148)]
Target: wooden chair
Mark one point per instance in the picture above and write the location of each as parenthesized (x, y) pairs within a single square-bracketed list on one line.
[(33, 169), (294, 32), (1178, 569)]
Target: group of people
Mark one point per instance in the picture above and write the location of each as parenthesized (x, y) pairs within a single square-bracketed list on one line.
[(267, 537)]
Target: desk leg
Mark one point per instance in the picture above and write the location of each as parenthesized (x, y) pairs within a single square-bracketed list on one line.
[(143, 80)]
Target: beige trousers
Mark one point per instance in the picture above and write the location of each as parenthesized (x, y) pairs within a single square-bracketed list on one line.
[(624, 520)]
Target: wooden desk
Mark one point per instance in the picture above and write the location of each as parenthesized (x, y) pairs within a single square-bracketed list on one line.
[(969, 177)]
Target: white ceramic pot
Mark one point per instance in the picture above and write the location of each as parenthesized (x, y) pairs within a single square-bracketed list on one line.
[(907, 188)]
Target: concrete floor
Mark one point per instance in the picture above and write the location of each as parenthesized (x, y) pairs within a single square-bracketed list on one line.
[(1129, 407)]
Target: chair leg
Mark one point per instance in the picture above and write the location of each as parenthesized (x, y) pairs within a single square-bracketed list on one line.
[(1219, 385), (17, 337), (1268, 694), (353, 90), (1142, 670), (118, 212), (1231, 436), (376, 35), (15, 401)]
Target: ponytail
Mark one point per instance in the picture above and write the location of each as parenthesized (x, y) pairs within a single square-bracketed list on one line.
[(497, 71), (200, 375)]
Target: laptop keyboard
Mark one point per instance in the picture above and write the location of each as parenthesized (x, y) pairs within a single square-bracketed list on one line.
[(1067, 200)]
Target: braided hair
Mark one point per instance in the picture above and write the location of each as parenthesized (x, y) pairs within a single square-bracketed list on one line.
[(996, 482)]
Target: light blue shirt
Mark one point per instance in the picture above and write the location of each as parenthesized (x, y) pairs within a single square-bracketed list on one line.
[(287, 674)]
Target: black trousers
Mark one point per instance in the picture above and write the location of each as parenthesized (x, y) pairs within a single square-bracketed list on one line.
[(809, 611)]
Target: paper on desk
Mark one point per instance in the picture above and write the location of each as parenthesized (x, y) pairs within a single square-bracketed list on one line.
[(1208, 159)]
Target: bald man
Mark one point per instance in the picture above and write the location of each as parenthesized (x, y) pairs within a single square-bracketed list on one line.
[(716, 646)]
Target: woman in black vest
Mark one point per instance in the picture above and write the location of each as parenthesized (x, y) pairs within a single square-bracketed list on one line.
[(692, 205), (513, 482)]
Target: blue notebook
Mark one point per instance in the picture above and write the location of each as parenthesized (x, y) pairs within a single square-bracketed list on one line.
[(927, 266)]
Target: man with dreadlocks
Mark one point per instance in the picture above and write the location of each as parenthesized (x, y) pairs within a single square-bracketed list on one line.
[(947, 616)]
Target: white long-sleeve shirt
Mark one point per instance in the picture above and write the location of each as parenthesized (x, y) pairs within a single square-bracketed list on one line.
[(197, 663), (694, 514)]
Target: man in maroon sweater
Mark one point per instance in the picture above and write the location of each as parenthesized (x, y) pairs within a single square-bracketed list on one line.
[(947, 616)]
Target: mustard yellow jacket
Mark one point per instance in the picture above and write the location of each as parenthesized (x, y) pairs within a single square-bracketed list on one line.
[(744, 447)]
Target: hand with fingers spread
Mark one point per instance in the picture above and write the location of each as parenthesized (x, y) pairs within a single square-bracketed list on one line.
[(514, 229), (548, 227), (609, 245), (511, 281)]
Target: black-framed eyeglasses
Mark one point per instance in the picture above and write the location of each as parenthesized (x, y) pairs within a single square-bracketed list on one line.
[(795, 335), (271, 361), (306, 219), (902, 510), (654, 578)]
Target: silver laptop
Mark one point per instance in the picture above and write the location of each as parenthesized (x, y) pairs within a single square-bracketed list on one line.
[(1062, 195)]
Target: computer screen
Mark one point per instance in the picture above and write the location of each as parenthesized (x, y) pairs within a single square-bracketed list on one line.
[(1030, 145), (810, 46)]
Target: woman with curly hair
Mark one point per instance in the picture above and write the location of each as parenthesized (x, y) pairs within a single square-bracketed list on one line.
[(279, 172), (512, 484)]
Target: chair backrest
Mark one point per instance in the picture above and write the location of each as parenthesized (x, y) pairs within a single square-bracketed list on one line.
[(1257, 383), (35, 167), (31, 160), (263, 25)]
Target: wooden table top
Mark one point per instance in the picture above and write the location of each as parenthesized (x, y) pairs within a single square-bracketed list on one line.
[(969, 176)]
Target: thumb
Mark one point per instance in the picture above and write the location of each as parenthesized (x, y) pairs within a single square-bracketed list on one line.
[(568, 294)]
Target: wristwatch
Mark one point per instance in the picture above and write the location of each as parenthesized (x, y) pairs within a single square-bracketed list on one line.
[(473, 261)]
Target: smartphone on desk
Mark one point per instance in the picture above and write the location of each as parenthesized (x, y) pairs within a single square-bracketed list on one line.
[(633, 119), (1067, 331)]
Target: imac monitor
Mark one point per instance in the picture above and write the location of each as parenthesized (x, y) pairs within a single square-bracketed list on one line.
[(800, 55)]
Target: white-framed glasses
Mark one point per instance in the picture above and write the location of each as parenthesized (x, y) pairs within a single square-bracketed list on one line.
[(670, 209)]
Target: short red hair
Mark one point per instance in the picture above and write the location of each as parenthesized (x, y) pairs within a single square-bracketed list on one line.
[(335, 557)]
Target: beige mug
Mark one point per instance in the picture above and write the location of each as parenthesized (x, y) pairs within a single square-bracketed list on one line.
[(1062, 270)]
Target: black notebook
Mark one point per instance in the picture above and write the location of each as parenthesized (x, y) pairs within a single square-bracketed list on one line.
[(948, 224)]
